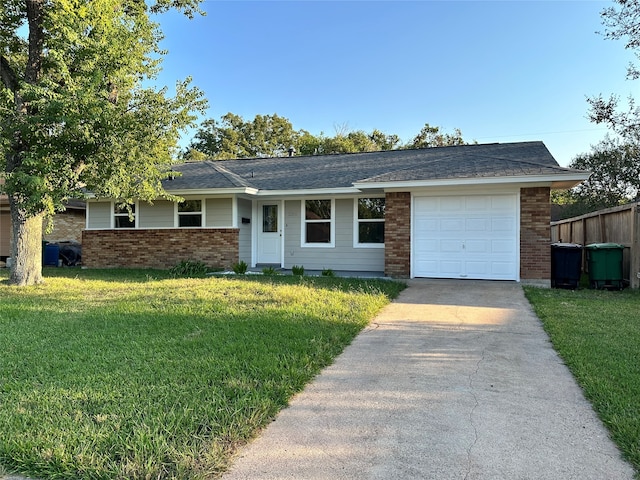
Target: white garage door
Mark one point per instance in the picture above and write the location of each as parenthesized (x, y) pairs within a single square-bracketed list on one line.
[(474, 236)]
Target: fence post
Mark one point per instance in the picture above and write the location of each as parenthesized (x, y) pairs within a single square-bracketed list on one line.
[(634, 254)]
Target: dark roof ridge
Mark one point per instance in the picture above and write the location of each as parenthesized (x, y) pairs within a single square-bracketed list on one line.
[(233, 177)]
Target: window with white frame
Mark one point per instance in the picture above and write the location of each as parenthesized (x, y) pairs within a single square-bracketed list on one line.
[(190, 213), (318, 222), (369, 229), (124, 216)]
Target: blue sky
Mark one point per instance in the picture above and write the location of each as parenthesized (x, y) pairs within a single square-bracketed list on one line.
[(500, 71)]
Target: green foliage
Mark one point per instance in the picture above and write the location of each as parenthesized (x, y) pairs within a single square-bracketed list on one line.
[(189, 268), (596, 334), (432, 137), (240, 268), (297, 270), (614, 180), (130, 374), (272, 136), (77, 113), (269, 271), (327, 272)]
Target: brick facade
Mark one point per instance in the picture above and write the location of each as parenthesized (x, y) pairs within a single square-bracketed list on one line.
[(397, 235), (67, 226), (535, 235), (159, 248)]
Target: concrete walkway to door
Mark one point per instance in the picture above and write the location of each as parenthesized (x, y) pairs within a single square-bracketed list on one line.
[(454, 380)]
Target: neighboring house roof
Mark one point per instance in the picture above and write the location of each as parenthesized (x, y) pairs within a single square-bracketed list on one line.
[(388, 169)]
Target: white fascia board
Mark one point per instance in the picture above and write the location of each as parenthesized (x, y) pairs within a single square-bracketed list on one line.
[(309, 192), (214, 191), (574, 178)]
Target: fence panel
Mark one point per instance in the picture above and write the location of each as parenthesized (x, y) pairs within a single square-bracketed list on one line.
[(616, 225)]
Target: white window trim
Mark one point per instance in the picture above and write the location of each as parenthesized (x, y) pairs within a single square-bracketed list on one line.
[(203, 212), (114, 215), (303, 229), (356, 223)]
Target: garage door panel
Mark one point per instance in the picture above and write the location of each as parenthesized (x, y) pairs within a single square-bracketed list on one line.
[(452, 225), (502, 247), (478, 246), (473, 236), (503, 224), (452, 204)]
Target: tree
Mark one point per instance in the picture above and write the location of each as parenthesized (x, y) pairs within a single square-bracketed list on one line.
[(233, 137), (621, 22), (75, 113), (615, 174), (432, 137)]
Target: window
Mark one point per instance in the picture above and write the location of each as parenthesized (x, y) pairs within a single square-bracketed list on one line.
[(121, 217), (318, 222), (190, 213), (270, 218), (369, 221)]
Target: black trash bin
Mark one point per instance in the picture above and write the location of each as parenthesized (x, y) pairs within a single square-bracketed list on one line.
[(566, 265)]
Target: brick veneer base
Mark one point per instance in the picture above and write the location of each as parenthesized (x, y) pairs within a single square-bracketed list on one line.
[(159, 248), (535, 235), (397, 235)]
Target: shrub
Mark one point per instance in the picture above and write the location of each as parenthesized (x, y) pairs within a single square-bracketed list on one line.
[(269, 271), (327, 272), (240, 268), (297, 270), (189, 268)]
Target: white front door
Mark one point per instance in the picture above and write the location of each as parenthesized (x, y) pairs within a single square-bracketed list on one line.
[(269, 233)]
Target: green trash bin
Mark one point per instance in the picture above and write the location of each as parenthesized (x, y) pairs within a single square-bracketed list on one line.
[(604, 262)]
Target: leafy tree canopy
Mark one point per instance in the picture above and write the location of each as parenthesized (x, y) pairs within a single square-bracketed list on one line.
[(622, 22), (614, 180), (75, 113), (273, 136)]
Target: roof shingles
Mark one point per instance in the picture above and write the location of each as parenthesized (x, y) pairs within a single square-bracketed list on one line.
[(336, 171)]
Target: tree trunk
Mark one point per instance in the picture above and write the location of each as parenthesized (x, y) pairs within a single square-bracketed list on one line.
[(26, 248)]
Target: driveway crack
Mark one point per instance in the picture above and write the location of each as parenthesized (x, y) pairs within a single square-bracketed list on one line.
[(476, 403)]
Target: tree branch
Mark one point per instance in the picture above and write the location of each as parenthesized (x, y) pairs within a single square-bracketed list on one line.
[(7, 75)]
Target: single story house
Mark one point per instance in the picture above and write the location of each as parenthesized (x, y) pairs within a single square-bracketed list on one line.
[(470, 211)]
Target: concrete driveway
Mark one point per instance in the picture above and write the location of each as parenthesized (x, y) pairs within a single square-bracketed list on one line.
[(454, 380)]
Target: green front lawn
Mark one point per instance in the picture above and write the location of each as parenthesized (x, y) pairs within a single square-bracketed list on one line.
[(597, 333), (135, 375)]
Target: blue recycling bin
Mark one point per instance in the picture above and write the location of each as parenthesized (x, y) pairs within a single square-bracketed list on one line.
[(51, 255)]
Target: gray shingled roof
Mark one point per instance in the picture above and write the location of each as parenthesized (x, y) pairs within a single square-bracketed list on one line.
[(336, 171)]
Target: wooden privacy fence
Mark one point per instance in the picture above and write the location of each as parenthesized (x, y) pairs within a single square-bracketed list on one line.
[(617, 225)]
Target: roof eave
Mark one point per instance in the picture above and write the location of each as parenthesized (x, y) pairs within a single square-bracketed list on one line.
[(554, 181), (213, 191)]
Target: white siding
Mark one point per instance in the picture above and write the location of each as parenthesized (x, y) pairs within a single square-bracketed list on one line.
[(219, 212), (99, 214), (158, 215), (244, 210), (341, 257)]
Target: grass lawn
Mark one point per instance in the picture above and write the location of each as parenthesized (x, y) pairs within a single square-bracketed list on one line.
[(135, 375), (597, 333)]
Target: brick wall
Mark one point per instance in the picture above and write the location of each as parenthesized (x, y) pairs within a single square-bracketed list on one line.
[(67, 226), (397, 235), (159, 248), (535, 235)]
